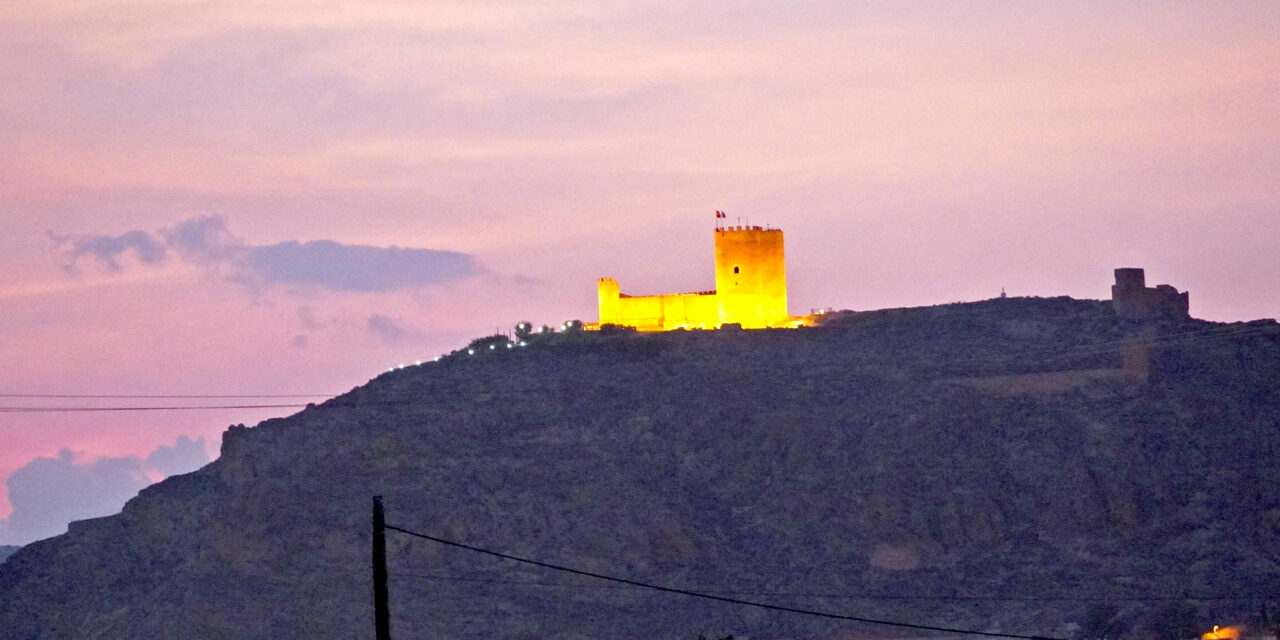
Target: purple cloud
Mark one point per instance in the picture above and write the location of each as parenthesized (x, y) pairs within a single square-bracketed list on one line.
[(390, 332), (108, 250), (185, 455), (319, 264), (205, 238), (341, 267), (47, 493)]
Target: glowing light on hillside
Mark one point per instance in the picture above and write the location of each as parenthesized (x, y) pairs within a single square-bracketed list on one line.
[(1222, 633)]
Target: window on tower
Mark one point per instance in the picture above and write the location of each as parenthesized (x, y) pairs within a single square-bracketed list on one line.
[(735, 269)]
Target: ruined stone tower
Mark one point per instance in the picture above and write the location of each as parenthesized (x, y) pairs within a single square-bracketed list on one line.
[(1132, 299)]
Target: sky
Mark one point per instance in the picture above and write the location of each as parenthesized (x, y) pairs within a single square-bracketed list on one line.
[(287, 197)]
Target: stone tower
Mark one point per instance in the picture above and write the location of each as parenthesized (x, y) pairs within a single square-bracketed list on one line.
[(751, 277), (1134, 300)]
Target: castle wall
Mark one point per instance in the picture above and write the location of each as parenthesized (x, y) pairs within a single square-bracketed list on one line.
[(657, 313)]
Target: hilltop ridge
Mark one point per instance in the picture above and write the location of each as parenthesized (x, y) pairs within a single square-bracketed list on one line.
[(908, 464)]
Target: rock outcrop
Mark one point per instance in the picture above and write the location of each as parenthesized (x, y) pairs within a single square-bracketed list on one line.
[(868, 467)]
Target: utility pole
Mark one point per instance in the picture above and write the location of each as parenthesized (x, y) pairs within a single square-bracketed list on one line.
[(381, 614)]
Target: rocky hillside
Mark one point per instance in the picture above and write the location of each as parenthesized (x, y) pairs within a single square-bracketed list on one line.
[(6, 551), (981, 465)]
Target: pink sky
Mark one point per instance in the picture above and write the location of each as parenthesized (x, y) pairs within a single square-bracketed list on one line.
[(914, 153)]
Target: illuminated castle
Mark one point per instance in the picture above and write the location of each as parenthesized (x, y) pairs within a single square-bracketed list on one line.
[(751, 290)]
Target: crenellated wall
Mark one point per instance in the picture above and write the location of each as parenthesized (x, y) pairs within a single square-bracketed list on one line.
[(657, 313)]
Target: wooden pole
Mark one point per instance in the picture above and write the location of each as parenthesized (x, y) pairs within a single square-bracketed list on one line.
[(381, 613)]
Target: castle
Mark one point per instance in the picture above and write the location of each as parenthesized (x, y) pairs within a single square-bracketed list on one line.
[(1134, 300), (751, 290)]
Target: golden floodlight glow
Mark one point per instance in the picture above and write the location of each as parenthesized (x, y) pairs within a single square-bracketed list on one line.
[(751, 290), (1222, 633)]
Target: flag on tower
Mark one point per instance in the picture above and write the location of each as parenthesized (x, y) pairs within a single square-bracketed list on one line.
[(721, 214)]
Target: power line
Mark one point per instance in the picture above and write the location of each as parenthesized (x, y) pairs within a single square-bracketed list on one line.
[(845, 596), (708, 596), (167, 395), (150, 408)]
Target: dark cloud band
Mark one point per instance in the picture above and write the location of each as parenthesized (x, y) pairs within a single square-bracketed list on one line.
[(340, 267), (321, 264), (108, 250)]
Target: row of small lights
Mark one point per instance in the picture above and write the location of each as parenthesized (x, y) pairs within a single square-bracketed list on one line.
[(472, 352), (416, 363)]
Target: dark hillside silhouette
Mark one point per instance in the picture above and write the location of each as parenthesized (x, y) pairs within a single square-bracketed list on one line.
[(987, 465)]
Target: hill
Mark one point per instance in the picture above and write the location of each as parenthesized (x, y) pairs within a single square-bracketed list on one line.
[(6, 551), (982, 465)]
